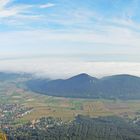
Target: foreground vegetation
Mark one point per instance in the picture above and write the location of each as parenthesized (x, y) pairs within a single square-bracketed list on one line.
[(82, 128)]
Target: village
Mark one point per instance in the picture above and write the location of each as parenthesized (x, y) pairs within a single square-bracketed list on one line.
[(9, 113)]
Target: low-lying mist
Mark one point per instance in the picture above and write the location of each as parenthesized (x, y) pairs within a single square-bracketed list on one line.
[(64, 68)]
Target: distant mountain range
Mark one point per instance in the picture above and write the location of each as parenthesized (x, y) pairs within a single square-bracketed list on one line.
[(85, 86), (6, 76)]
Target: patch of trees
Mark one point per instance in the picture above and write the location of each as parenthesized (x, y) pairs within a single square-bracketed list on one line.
[(82, 128)]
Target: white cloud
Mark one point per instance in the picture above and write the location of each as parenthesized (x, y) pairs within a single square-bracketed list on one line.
[(3, 3), (60, 68), (7, 10), (109, 35), (47, 5), (20, 15), (110, 41), (4, 12)]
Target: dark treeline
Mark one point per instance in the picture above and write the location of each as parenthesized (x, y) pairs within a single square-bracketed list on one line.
[(82, 128)]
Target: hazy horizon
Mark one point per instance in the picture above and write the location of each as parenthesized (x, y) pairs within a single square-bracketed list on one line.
[(64, 68)]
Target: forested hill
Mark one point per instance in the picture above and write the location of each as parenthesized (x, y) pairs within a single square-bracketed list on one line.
[(85, 86)]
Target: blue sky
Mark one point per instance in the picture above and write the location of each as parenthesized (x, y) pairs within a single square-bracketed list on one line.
[(85, 30), (92, 27)]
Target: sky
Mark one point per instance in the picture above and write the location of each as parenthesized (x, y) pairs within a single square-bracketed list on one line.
[(64, 37)]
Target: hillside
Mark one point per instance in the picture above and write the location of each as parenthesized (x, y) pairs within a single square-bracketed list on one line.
[(85, 86)]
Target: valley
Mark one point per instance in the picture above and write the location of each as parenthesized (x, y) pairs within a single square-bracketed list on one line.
[(16, 92), (59, 118)]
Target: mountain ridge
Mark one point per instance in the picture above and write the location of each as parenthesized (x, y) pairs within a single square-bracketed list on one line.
[(122, 86)]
